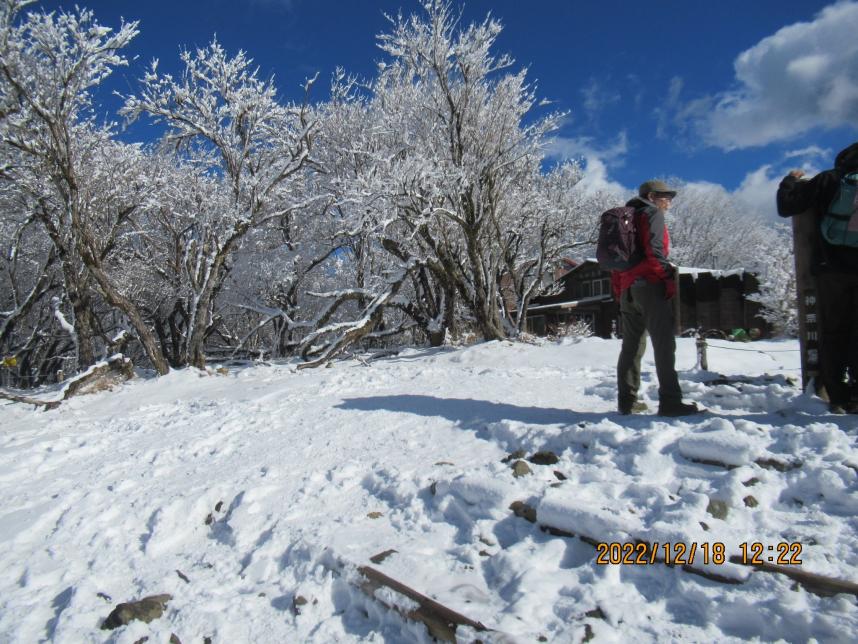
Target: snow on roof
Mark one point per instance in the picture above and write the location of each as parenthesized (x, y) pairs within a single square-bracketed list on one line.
[(572, 303), (695, 272), (683, 270)]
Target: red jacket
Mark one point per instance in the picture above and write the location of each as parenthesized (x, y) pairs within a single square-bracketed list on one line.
[(654, 240)]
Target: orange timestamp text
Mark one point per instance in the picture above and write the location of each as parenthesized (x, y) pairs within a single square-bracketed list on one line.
[(783, 553), (674, 553)]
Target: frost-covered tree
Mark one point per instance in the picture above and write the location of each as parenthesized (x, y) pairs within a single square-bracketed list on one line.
[(152, 260), (469, 152), (50, 63), (222, 118), (357, 150), (710, 228), (440, 176), (30, 343), (777, 291), (554, 220)]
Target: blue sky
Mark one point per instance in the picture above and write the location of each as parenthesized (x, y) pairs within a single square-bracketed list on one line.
[(733, 93)]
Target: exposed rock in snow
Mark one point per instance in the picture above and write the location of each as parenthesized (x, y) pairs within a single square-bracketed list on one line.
[(144, 610)]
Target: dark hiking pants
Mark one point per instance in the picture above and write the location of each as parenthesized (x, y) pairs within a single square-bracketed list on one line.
[(838, 341), (643, 309)]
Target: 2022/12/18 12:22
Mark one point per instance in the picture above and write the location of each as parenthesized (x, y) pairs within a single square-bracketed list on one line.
[(756, 553)]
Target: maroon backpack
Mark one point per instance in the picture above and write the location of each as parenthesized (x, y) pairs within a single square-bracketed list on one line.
[(618, 248)]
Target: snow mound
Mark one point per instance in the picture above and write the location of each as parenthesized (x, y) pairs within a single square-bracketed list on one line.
[(480, 491), (719, 442), (588, 512)]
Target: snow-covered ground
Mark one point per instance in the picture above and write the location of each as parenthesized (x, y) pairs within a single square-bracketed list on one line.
[(237, 493)]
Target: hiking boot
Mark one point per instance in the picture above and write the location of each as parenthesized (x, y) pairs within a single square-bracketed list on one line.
[(839, 410), (637, 407), (678, 408)]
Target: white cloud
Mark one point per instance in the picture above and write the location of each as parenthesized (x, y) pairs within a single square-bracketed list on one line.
[(597, 96), (758, 188), (562, 147), (670, 104), (811, 152), (808, 68), (802, 77), (596, 179), (595, 160), (757, 191)]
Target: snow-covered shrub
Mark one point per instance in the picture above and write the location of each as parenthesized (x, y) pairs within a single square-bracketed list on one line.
[(777, 291), (530, 338), (574, 329)]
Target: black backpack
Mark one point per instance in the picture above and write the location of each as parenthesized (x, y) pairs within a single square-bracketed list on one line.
[(618, 248), (839, 224)]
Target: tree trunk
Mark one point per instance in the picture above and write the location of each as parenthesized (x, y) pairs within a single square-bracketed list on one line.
[(436, 338), (197, 333), (195, 352), (75, 290), (450, 312), (115, 298), (84, 326), (483, 306), (487, 319), (80, 303)]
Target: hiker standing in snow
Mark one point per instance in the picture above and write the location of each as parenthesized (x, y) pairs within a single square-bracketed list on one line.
[(832, 197), (644, 292)]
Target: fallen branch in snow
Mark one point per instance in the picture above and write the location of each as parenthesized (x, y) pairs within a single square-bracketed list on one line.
[(558, 532), (821, 585), (98, 377), (47, 404), (780, 466), (765, 463), (360, 359), (351, 332), (440, 621), (389, 353)]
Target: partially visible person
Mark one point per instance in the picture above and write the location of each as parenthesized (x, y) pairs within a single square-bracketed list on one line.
[(644, 292), (835, 267)]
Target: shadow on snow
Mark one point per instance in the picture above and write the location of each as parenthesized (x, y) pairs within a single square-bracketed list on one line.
[(468, 412)]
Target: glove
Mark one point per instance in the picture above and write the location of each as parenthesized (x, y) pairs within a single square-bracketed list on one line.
[(669, 289)]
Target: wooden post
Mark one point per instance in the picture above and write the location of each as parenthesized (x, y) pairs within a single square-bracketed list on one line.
[(702, 360), (804, 233), (440, 621)]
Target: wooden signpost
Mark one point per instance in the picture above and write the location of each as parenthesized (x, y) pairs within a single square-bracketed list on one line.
[(804, 231)]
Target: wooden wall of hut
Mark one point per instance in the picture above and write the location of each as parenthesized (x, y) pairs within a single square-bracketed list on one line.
[(753, 309), (730, 311), (708, 301), (687, 303), (607, 321)]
